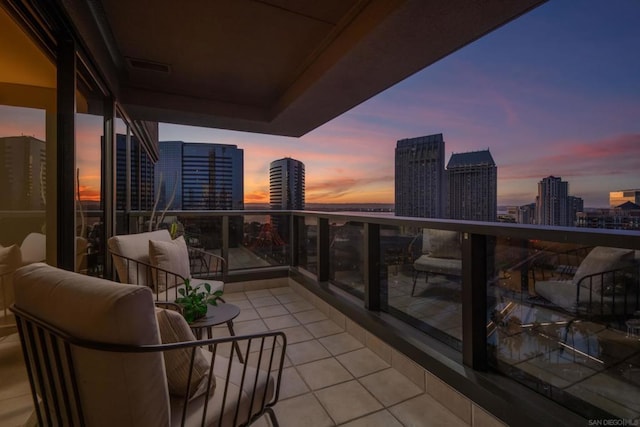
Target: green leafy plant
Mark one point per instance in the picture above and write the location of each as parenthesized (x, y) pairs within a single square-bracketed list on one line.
[(194, 301)]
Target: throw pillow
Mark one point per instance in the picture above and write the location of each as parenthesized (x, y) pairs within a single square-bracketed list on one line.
[(171, 256), (173, 328), (599, 260), (444, 244), (10, 260)]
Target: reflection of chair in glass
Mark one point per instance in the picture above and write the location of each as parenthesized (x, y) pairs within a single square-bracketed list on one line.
[(605, 283), (441, 254), (153, 259), (99, 353)]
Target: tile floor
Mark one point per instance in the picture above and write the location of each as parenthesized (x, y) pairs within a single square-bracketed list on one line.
[(330, 377)]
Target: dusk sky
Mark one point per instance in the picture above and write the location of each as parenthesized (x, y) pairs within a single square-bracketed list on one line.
[(554, 92)]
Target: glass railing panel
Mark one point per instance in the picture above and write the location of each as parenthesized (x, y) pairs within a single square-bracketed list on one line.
[(346, 249), (308, 244), (257, 241), (202, 231), (424, 271), (562, 320)]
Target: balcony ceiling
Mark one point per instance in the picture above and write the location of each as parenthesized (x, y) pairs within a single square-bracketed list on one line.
[(271, 66)]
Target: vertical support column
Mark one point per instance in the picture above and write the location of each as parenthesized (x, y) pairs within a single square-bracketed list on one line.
[(225, 245), (372, 266), (323, 249), (66, 153), (474, 301), (294, 239), (108, 183)]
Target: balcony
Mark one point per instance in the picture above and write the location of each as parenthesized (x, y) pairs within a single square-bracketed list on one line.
[(492, 340)]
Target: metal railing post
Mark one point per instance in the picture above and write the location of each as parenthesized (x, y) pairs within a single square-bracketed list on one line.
[(323, 249), (372, 266), (474, 301)]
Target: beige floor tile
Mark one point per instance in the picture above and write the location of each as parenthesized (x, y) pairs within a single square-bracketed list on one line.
[(302, 411), (424, 410), (15, 412), (340, 343), (243, 304), (260, 293), (292, 384), (347, 401), (305, 352), (377, 419), (323, 373), (249, 327), (264, 301), (310, 316), (233, 297), (271, 311), (298, 306), (13, 375), (281, 290), (390, 387), (323, 328), (362, 362), (281, 322), (247, 314), (289, 298), (297, 334)]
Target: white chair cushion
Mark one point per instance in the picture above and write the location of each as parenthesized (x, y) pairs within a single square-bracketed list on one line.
[(134, 246), (10, 260), (599, 260), (173, 328), (444, 244), (34, 248), (116, 389), (172, 256)]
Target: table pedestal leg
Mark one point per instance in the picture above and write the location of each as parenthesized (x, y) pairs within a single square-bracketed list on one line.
[(235, 344)]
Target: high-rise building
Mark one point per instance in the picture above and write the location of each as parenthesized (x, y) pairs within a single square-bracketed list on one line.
[(199, 176), (286, 184), (473, 184), (576, 205), (617, 198), (527, 214), (420, 177), (141, 174), (552, 202), (23, 172)]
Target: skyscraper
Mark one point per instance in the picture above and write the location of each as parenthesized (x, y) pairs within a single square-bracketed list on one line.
[(552, 202), (286, 184), (420, 178), (23, 173), (141, 175), (205, 176), (473, 182)]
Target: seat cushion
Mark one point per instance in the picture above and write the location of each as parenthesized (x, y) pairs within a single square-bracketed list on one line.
[(173, 328), (34, 248), (115, 388), (431, 264), (171, 256), (136, 247), (10, 261)]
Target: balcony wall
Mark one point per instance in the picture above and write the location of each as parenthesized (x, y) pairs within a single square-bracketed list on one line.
[(531, 323)]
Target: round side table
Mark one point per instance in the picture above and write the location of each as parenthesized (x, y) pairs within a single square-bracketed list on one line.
[(217, 315)]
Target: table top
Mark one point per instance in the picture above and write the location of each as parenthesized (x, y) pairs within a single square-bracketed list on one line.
[(217, 314)]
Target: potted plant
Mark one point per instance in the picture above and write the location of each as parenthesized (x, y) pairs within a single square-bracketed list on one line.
[(194, 301)]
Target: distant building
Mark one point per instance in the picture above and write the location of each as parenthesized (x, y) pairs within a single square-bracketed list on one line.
[(616, 198), (286, 184), (552, 203), (576, 205), (204, 176), (623, 217), (22, 173), (527, 214), (420, 187), (473, 185), (141, 174)]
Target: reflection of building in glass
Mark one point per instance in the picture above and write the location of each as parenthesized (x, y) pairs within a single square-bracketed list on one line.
[(141, 175), (420, 178), (22, 173), (473, 186), (205, 176), (623, 217), (616, 198), (286, 184)]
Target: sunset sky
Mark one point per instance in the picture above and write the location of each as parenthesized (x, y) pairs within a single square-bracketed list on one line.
[(555, 92)]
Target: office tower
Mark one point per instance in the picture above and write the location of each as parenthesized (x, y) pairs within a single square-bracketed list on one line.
[(286, 184), (552, 202), (527, 214), (473, 182), (203, 176), (22, 173), (420, 178), (141, 175), (617, 198), (576, 204)]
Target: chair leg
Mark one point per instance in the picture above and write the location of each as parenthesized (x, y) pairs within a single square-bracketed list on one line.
[(415, 279), (272, 417)]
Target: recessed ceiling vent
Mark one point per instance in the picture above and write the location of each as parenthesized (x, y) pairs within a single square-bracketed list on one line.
[(146, 65)]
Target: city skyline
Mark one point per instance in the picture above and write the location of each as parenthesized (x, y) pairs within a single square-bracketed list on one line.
[(554, 92)]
